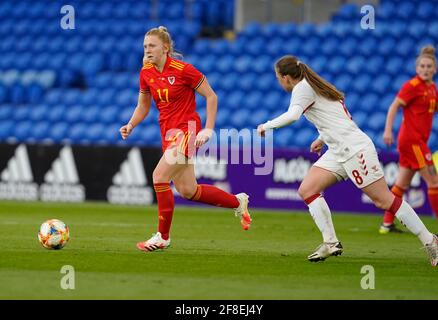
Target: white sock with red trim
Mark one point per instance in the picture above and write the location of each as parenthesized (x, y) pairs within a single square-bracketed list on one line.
[(320, 212)]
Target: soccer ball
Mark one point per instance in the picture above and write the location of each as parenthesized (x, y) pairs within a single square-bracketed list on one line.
[(53, 234)]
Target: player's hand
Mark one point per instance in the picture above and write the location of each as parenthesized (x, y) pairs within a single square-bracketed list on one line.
[(126, 130), (388, 137), (260, 130), (203, 136), (317, 146)]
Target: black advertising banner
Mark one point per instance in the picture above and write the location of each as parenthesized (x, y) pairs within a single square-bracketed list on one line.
[(66, 173)]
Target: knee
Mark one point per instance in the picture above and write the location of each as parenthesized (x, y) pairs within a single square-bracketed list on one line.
[(383, 202), (158, 176), (305, 191), (186, 191)]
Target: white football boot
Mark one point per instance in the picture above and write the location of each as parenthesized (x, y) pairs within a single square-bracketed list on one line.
[(242, 211), (154, 243), (326, 250), (432, 251)]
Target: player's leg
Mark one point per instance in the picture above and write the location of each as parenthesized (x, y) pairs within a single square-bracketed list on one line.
[(418, 157), (402, 183), (162, 175), (379, 193), (324, 173), (429, 174), (366, 173), (186, 184)]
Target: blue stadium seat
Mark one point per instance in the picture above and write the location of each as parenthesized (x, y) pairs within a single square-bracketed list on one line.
[(385, 102), (111, 134), (40, 130), (284, 138), (263, 64), (38, 113), (6, 112), (399, 81), (417, 29), (222, 117), (404, 10), (274, 101), (258, 117), (311, 46), (6, 129), (352, 101), (234, 100), (336, 65), (275, 47), (360, 118), (267, 82), (360, 85), (109, 114), (253, 101), (381, 83), (91, 114), (376, 121), (22, 130), (225, 64), (240, 118), (95, 132), (343, 82), (201, 47), (246, 82), (73, 114), (304, 137), (354, 65), (3, 94), (425, 11)]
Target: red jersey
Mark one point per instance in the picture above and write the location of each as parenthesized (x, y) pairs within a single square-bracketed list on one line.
[(420, 99), (173, 91)]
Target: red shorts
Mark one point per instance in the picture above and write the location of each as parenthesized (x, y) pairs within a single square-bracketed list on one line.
[(182, 138), (414, 156)]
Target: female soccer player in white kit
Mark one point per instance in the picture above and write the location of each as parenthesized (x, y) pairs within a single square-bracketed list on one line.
[(351, 154)]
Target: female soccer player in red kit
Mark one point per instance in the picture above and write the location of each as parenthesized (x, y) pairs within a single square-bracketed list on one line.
[(172, 84), (417, 97)]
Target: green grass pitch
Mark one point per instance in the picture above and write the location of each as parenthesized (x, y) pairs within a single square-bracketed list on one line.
[(210, 257)]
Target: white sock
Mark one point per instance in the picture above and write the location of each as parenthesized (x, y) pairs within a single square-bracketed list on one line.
[(322, 216), (409, 218)]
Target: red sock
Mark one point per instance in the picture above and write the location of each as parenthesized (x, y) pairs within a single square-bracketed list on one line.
[(166, 203), (212, 195), (389, 217), (433, 199)]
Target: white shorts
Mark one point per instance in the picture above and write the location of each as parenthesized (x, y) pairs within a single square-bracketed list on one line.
[(363, 168)]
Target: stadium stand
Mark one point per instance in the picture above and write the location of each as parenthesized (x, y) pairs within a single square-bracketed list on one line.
[(80, 85)]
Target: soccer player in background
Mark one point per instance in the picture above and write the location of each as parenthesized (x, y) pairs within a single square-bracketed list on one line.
[(417, 97), (172, 84), (351, 154)]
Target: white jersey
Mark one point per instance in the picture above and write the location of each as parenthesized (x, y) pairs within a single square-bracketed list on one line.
[(331, 118), (333, 121)]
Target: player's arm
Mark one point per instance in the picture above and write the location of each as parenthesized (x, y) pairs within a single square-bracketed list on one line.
[(289, 117), (210, 96), (388, 136), (140, 112)]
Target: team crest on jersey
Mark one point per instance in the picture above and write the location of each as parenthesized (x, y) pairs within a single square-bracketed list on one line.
[(171, 79)]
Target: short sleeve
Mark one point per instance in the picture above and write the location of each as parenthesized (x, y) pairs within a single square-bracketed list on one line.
[(407, 92), (192, 76), (144, 88), (303, 95)]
